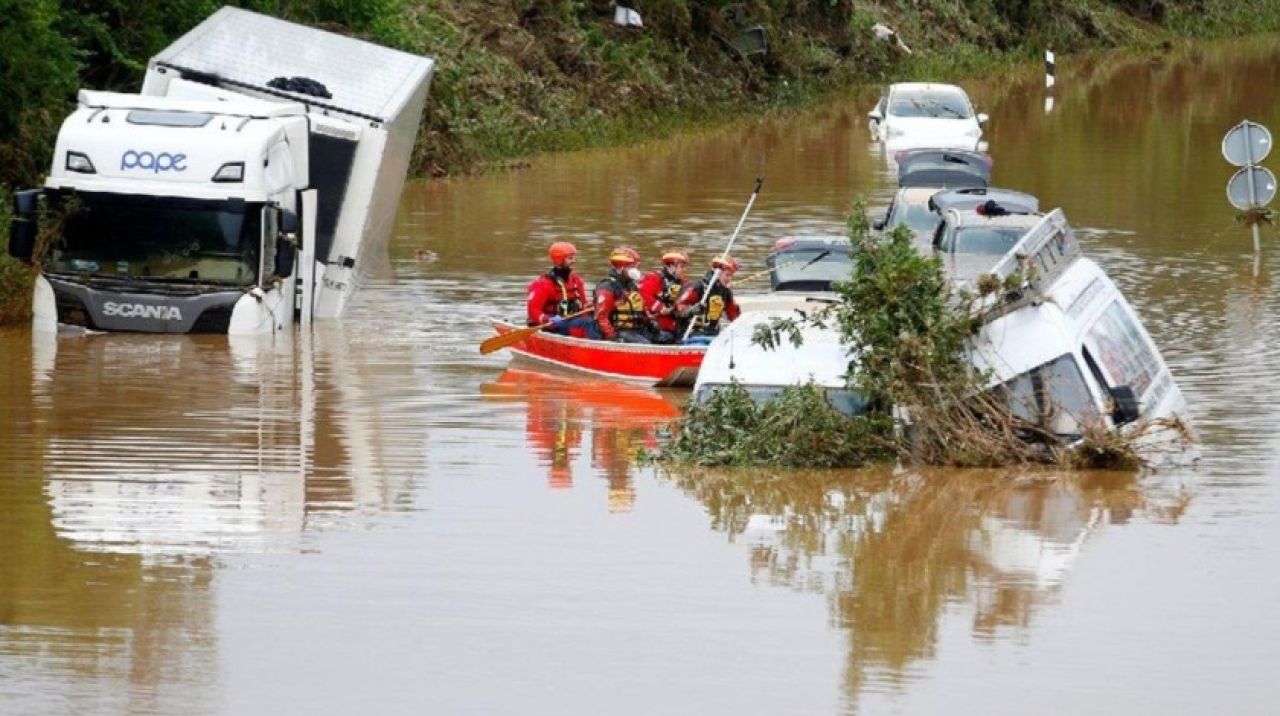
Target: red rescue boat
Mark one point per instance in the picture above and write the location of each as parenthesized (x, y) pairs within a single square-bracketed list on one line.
[(646, 364)]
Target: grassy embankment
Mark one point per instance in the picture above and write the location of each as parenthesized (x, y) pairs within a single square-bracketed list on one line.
[(529, 76)]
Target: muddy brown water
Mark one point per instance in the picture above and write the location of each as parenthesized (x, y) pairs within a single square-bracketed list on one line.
[(377, 519)]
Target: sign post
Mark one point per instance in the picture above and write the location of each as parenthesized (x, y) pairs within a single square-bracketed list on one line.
[(1253, 187)]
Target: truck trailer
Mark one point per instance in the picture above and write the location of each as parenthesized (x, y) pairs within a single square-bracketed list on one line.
[(251, 184)]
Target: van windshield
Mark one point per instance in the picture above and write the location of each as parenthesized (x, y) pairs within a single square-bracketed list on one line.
[(1053, 396), (158, 239)]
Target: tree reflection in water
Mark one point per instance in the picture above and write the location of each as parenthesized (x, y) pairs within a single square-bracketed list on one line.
[(891, 549)]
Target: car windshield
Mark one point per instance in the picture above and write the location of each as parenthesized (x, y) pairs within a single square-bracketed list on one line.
[(985, 240), (809, 269), (919, 219), (164, 239), (934, 102)]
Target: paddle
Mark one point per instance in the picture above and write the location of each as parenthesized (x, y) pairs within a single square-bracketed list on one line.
[(497, 343), (715, 275)]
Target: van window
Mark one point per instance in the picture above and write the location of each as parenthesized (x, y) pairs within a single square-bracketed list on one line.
[(1053, 396), (1118, 345)]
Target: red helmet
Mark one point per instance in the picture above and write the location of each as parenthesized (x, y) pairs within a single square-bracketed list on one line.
[(675, 257), (726, 264), (624, 257), (561, 251)]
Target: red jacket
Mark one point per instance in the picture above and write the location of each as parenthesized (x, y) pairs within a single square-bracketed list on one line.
[(548, 297)]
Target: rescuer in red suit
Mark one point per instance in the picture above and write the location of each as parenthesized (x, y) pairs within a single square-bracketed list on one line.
[(719, 305), (558, 294), (619, 308), (660, 289)]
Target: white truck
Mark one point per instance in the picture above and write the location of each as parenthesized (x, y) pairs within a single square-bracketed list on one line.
[(251, 184)]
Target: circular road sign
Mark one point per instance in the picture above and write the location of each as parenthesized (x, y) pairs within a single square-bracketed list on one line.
[(1246, 143), (1244, 197)]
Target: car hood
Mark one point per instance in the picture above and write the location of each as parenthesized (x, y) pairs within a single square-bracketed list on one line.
[(921, 132)]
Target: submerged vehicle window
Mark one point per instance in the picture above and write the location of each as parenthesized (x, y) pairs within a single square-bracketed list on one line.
[(808, 265), (984, 240), (1053, 396), (1115, 340), (937, 103), (160, 239), (917, 218)]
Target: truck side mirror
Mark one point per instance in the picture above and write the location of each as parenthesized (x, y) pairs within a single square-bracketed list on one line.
[(1126, 409), (23, 227), (288, 222), (285, 254), (22, 238)]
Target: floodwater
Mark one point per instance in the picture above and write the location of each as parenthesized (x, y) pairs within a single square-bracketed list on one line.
[(376, 519)]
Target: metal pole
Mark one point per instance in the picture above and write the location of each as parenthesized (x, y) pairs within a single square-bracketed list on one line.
[(1248, 168), (715, 275)]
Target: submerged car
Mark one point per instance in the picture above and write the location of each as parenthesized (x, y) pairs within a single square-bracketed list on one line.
[(802, 270), (922, 173), (919, 114), (968, 240), (822, 359)]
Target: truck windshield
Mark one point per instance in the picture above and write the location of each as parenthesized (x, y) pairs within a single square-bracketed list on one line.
[(159, 239)]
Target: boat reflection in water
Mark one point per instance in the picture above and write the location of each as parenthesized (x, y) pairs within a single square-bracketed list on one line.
[(561, 407), (896, 552)]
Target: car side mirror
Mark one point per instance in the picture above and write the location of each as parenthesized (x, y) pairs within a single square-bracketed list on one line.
[(1126, 408), (982, 118), (875, 115)]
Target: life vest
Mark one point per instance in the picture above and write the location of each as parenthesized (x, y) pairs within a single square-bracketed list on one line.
[(717, 303), (670, 289), (628, 304), (568, 304)]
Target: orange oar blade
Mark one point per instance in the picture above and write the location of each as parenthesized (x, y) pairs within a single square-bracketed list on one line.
[(497, 343)]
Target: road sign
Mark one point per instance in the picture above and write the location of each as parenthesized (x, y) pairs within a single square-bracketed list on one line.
[(1246, 143), (1251, 188)]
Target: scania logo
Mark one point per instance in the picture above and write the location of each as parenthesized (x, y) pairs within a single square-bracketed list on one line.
[(162, 162), (141, 310)]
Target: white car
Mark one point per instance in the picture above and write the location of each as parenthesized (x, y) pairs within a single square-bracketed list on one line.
[(918, 114)]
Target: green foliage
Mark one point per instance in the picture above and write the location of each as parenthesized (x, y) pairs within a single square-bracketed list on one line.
[(798, 428)]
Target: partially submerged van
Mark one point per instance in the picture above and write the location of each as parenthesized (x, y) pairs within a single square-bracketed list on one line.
[(1056, 339)]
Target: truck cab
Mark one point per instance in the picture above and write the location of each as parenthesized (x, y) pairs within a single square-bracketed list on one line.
[(252, 183), (173, 216)]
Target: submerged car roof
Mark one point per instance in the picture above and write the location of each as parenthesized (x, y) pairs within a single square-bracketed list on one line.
[(966, 218), (943, 168), (971, 197)]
